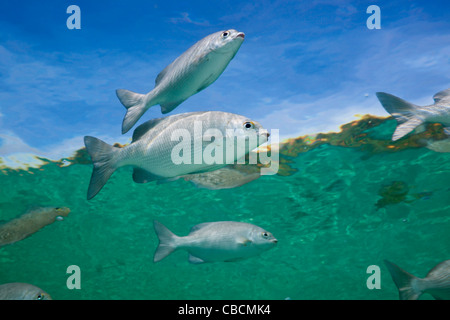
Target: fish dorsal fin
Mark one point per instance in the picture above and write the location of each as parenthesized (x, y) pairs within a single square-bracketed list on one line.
[(151, 124), (199, 226), (442, 96), (144, 128), (162, 74), (143, 176), (195, 260)]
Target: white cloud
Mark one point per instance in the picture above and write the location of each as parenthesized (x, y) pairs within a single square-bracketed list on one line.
[(298, 117), (185, 18)]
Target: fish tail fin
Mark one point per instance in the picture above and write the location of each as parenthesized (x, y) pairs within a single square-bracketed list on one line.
[(136, 107), (404, 112), (104, 160), (166, 241), (406, 283)]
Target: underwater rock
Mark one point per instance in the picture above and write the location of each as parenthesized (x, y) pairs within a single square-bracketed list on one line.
[(29, 223), (359, 134), (393, 193), (397, 192)]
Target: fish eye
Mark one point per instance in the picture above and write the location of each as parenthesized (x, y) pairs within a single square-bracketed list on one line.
[(265, 235), (248, 125), (225, 34), (40, 297)]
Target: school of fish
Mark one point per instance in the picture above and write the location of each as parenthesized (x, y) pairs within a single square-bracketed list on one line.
[(151, 154)]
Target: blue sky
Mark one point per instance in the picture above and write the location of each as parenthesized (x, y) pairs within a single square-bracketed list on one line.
[(304, 67)]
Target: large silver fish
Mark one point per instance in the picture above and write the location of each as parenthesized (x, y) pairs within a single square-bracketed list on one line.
[(215, 241), (156, 143), (193, 71), (410, 116), (29, 223), (436, 283), (22, 291)]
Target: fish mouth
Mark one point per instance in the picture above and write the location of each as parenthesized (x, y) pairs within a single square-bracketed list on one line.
[(274, 241), (241, 34)]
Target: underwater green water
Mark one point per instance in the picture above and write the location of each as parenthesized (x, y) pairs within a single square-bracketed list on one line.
[(328, 217)]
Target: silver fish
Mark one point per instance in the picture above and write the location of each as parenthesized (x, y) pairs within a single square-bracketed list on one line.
[(151, 151), (22, 291), (410, 116), (215, 241), (436, 283), (439, 145), (29, 223), (231, 176), (193, 71)]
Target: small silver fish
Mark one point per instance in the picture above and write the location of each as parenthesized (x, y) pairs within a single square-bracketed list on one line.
[(29, 223), (22, 291), (193, 71), (436, 283), (410, 116), (231, 176), (151, 150), (215, 241), (439, 145)]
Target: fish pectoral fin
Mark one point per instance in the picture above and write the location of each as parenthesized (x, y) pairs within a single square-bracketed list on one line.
[(210, 79), (143, 176), (244, 241), (195, 260)]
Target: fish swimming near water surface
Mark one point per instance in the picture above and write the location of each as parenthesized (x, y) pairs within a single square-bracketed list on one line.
[(231, 176), (22, 291), (156, 143), (436, 283), (410, 116), (29, 223), (215, 241), (191, 72)]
